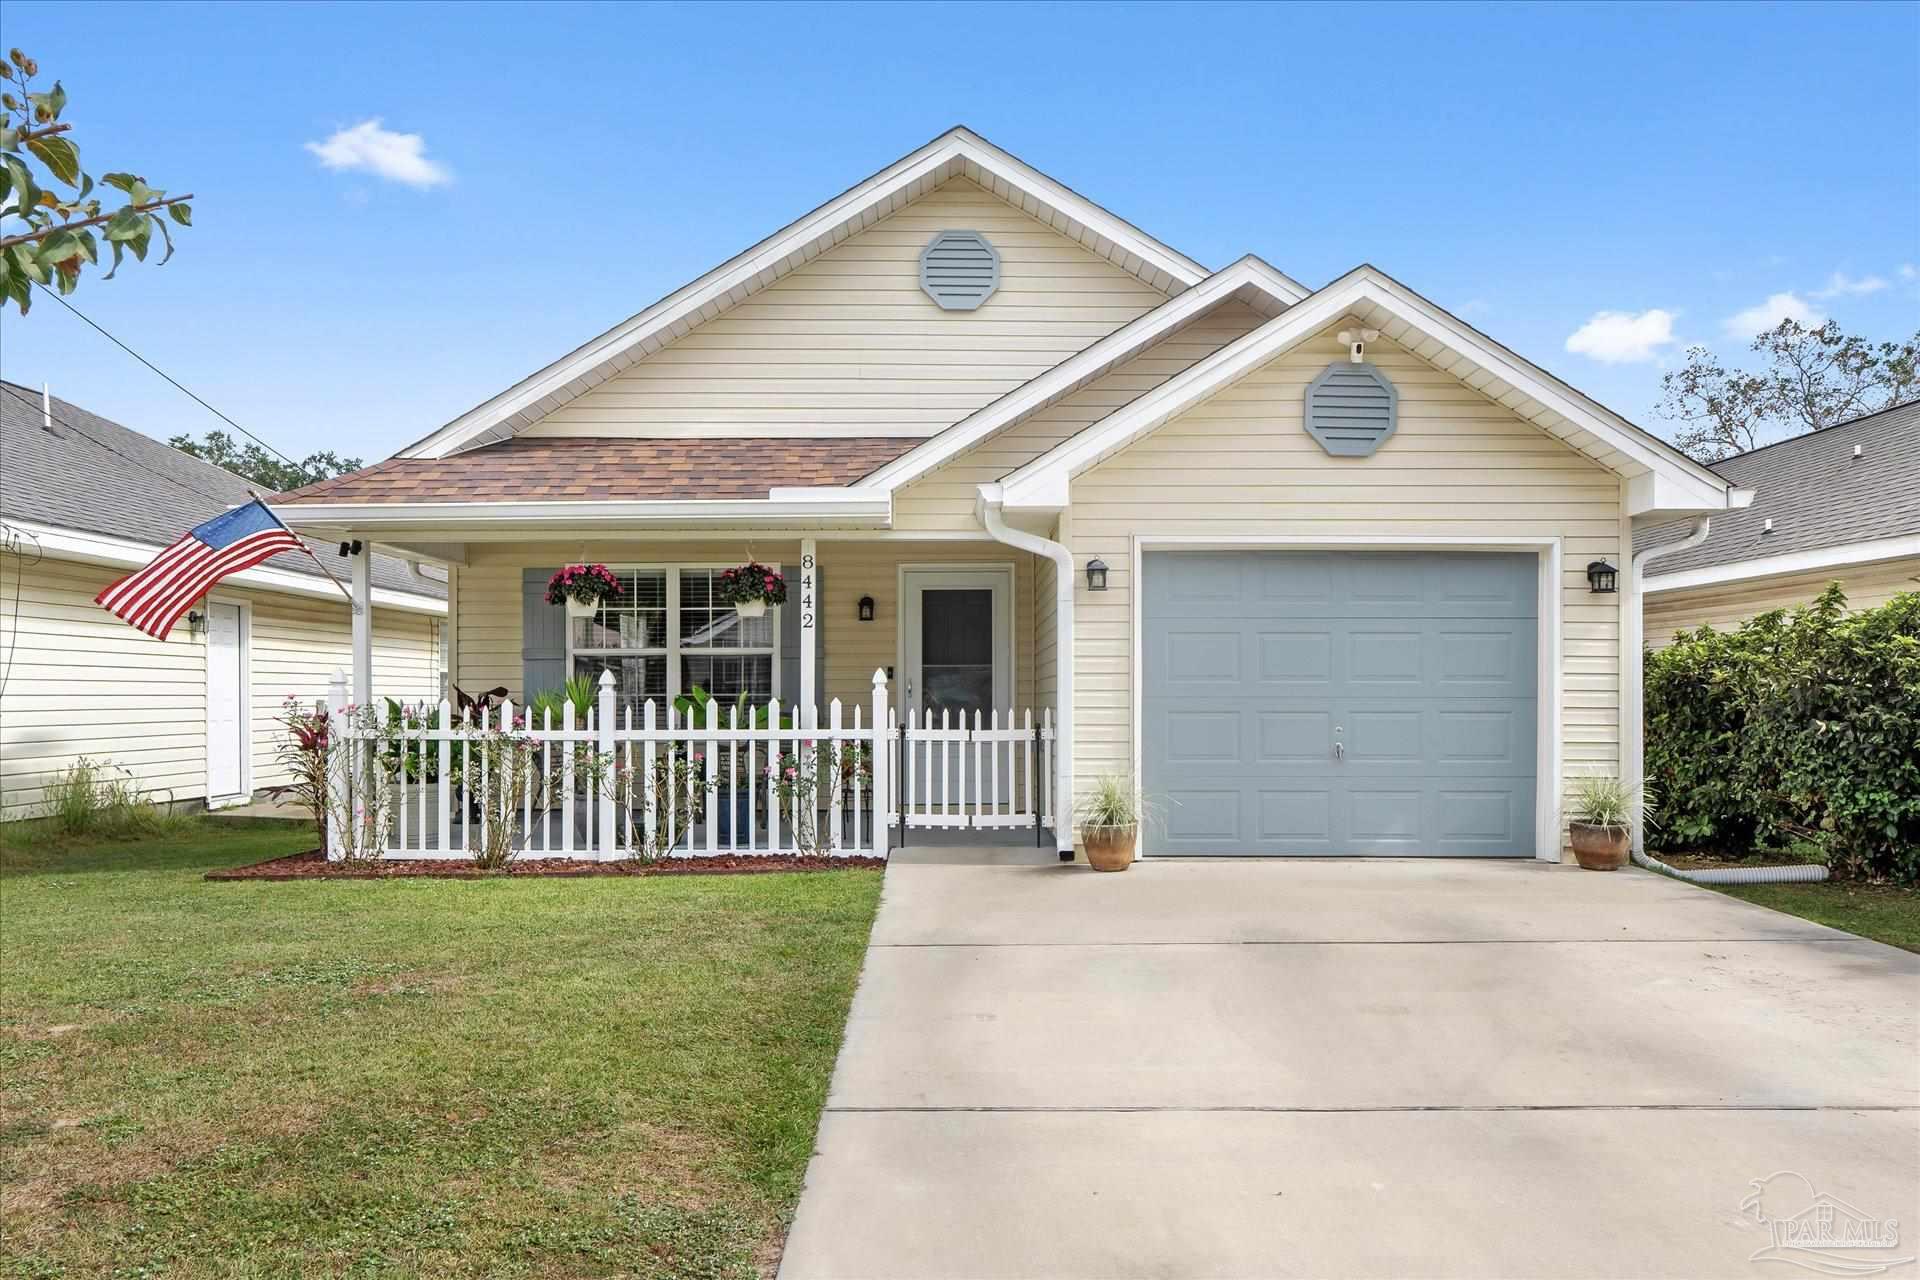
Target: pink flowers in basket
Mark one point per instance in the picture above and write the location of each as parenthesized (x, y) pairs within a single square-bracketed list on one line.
[(582, 584), (751, 583)]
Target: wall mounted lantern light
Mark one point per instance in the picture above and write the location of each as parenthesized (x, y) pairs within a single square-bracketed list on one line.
[(1096, 575), (1602, 578), (866, 608), (196, 623)]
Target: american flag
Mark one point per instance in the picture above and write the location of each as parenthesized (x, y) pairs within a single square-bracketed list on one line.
[(153, 598)]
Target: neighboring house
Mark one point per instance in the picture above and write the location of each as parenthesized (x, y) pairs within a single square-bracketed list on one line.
[(83, 501), (1311, 563), (1837, 505)]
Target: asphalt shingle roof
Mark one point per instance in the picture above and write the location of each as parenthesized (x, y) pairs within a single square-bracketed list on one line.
[(1815, 491), (96, 476), (588, 469)]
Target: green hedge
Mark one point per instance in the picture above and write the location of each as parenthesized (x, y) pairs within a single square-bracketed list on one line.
[(1802, 725)]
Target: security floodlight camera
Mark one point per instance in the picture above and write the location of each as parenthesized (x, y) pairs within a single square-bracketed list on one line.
[(1357, 340)]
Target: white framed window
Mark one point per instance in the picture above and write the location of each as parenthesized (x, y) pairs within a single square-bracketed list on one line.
[(663, 634)]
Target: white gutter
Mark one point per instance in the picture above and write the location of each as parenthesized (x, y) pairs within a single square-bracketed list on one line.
[(987, 508), (124, 553), (1633, 723), (839, 506)]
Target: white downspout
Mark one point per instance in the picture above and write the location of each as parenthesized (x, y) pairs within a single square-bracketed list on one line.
[(987, 509), (1633, 729)]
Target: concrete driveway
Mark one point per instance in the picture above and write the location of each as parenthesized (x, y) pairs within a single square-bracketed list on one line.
[(1370, 1068)]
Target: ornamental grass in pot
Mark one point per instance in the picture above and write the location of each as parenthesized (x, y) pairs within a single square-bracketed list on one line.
[(1600, 827), (1110, 816)]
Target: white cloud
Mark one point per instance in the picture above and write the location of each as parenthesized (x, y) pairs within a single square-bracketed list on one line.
[(1908, 272), (1842, 283), (1623, 337), (1777, 307), (401, 157)]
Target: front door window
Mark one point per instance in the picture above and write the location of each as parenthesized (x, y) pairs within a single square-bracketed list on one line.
[(956, 650)]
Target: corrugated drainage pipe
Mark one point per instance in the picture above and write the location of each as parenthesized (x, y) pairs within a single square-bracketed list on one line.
[(1801, 874)]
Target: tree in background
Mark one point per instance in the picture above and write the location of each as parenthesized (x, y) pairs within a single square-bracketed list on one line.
[(261, 467), (1812, 378), (56, 239)]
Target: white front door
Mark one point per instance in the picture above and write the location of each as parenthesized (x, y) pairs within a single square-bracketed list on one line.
[(226, 703), (956, 658)]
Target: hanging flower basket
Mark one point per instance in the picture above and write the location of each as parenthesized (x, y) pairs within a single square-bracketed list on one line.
[(583, 588), (750, 588)]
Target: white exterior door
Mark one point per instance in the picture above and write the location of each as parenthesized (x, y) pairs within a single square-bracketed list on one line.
[(226, 703)]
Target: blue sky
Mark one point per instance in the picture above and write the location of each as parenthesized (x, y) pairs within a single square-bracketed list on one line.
[(1527, 168)]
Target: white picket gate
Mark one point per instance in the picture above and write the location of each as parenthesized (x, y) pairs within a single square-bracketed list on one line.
[(956, 771), (666, 783)]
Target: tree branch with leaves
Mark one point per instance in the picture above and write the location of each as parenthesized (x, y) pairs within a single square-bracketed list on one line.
[(47, 238), (1812, 378)]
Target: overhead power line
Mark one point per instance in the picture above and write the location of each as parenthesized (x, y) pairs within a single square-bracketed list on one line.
[(169, 377)]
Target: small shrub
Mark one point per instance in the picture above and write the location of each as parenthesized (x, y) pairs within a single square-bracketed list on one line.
[(1799, 727), (100, 798), (1605, 801)]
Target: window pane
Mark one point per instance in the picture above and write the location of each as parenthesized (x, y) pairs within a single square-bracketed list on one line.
[(635, 680), (635, 618), (727, 677), (696, 588), (956, 627)]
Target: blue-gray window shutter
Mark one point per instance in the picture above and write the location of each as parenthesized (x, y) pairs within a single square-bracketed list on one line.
[(543, 636), (959, 270), (790, 640), (1351, 409)]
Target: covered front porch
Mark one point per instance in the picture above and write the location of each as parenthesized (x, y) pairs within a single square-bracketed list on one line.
[(903, 691)]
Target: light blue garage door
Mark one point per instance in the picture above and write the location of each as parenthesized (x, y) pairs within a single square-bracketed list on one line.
[(1333, 703)]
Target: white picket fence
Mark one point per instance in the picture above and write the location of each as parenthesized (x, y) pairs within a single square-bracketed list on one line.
[(678, 784), (987, 772), (669, 783)]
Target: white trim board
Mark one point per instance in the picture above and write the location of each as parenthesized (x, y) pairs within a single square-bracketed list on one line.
[(959, 152), (830, 507), (1845, 555), (1551, 672), (1672, 480), (101, 549)]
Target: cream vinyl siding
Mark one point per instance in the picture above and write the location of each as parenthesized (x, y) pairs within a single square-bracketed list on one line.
[(944, 499), (84, 683), (849, 345), (1727, 605), (488, 614), (297, 645), (1241, 465)]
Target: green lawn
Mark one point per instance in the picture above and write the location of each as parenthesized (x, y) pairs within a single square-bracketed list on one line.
[(1881, 912), (444, 1078)]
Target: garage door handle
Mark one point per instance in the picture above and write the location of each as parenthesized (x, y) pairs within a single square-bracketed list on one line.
[(1339, 751)]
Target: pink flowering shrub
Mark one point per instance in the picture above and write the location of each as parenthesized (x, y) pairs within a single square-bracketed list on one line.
[(751, 581), (588, 583)]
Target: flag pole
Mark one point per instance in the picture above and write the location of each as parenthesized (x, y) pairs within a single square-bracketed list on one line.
[(355, 604)]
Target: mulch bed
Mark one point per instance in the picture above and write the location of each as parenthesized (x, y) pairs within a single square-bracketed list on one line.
[(313, 865)]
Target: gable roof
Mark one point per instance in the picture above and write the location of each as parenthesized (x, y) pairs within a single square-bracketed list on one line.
[(1659, 476), (94, 476), (596, 468), (1249, 280), (959, 152), (1817, 494)]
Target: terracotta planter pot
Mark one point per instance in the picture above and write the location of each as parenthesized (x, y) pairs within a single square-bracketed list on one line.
[(1109, 848), (1599, 848)]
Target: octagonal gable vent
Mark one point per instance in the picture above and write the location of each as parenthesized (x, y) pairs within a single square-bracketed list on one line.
[(959, 270), (1351, 409)]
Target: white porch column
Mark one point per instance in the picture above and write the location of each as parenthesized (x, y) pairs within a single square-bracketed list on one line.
[(809, 621), (362, 623)]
